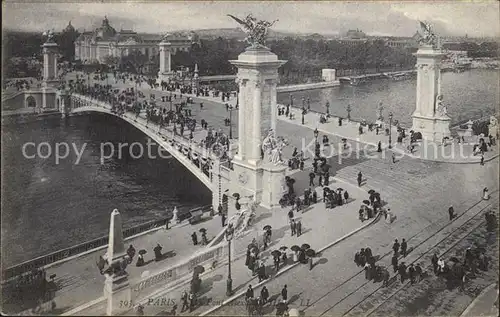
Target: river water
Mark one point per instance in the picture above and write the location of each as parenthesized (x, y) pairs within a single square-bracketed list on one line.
[(468, 95), (48, 206)]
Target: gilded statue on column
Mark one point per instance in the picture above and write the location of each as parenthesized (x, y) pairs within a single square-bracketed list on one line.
[(256, 30)]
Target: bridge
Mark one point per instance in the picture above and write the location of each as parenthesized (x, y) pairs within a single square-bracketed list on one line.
[(202, 162)]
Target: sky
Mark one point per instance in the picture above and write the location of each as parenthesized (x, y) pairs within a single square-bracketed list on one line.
[(397, 18)]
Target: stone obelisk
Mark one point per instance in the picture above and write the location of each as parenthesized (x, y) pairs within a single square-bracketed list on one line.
[(116, 287), (257, 78), (430, 116)]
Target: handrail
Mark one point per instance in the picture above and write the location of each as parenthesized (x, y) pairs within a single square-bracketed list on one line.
[(80, 248)]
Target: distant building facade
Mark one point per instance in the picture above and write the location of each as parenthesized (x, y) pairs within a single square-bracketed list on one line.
[(95, 46)]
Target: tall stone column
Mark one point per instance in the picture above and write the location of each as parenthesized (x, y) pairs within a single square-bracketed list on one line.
[(116, 286), (257, 78), (165, 72), (49, 64), (430, 116)]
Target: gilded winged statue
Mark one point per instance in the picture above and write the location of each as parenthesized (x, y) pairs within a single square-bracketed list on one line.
[(50, 36), (429, 37), (256, 30)]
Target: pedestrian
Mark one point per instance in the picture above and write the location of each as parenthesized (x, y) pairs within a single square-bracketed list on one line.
[(184, 299), (482, 160), (194, 237), (451, 212), (346, 196), (276, 261), (262, 272), (157, 252), (311, 179), (264, 294), (393, 158), (434, 262), (293, 227), (462, 282), (356, 259), (140, 310), (418, 272), (394, 263), (249, 293), (284, 294), (411, 273), (404, 247), (223, 219), (395, 247), (360, 177), (299, 228), (385, 278), (402, 271), (367, 271), (379, 145), (191, 301), (290, 215)]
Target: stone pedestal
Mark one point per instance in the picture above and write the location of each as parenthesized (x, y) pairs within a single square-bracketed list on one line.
[(50, 79), (117, 292), (273, 184), (427, 119), (257, 78), (165, 72)]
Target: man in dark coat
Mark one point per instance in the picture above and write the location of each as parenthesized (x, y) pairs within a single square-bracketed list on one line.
[(418, 272), (262, 272), (194, 237), (311, 179), (326, 181), (356, 259), (451, 212), (434, 262), (284, 294), (402, 271), (394, 262), (293, 227), (360, 178), (276, 261), (411, 273), (404, 247), (395, 247), (264, 294), (299, 228), (249, 293)]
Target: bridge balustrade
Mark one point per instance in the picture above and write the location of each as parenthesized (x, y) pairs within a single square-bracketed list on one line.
[(205, 157)]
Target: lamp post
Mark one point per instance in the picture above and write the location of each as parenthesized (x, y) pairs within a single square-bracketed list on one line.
[(316, 144), (316, 132), (229, 237), (390, 130), (170, 101), (230, 121)]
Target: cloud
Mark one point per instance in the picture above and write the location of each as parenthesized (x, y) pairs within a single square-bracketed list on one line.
[(397, 17)]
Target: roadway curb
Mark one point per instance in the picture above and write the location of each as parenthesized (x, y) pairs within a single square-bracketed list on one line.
[(473, 303), (84, 306), (229, 300)]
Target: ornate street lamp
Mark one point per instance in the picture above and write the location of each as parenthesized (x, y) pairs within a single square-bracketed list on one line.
[(229, 237), (390, 130), (316, 132)]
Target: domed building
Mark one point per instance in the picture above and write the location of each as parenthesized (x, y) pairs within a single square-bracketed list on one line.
[(95, 46)]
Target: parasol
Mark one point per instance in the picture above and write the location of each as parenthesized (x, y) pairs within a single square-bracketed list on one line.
[(305, 246), (276, 253), (283, 248), (310, 253), (203, 230), (326, 189), (295, 248), (236, 195), (198, 269), (367, 202), (267, 227), (142, 252), (340, 189), (371, 191)]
